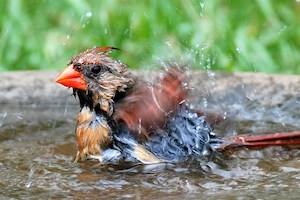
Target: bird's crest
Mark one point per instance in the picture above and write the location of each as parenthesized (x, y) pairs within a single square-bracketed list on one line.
[(103, 50)]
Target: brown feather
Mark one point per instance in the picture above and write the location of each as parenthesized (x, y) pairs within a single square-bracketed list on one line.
[(92, 134), (148, 106)]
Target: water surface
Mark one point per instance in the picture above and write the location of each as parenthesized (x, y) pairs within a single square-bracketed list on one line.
[(37, 146)]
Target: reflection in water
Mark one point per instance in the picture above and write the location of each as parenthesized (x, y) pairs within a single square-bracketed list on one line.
[(37, 146)]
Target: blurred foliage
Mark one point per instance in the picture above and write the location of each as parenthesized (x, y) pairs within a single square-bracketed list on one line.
[(230, 35)]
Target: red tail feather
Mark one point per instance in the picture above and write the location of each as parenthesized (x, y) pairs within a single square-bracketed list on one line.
[(264, 140)]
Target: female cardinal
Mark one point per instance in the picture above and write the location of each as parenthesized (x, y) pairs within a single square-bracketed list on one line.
[(122, 117)]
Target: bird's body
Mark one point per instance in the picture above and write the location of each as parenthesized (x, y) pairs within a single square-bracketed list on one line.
[(114, 105), (123, 118)]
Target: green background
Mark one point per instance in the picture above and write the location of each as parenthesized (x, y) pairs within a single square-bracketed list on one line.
[(228, 35)]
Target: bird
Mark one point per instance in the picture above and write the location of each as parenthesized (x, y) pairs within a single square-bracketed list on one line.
[(124, 118)]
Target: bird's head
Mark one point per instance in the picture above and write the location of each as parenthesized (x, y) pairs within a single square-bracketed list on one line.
[(96, 77)]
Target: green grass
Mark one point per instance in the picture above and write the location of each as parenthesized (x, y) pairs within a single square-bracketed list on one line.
[(232, 35)]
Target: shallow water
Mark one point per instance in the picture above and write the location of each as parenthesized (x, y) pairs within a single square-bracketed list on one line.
[(37, 146)]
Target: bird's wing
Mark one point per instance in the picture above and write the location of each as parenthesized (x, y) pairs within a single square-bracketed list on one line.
[(149, 106)]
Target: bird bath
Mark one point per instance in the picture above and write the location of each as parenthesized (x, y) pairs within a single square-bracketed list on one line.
[(37, 143)]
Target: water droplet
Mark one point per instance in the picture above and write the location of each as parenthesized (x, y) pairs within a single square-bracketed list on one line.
[(168, 43), (284, 27), (192, 115), (238, 50), (89, 14), (212, 133), (225, 115), (66, 109), (202, 8), (126, 31), (192, 107), (254, 68), (30, 174), (202, 5), (28, 184), (204, 47), (3, 117), (204, 102), (211, 74), (85, 19), (208, 66), (67, 38)]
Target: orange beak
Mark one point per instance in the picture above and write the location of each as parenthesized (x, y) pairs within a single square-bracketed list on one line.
[(70, 77)]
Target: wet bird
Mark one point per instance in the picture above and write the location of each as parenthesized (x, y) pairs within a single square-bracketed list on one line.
[(124, 118)]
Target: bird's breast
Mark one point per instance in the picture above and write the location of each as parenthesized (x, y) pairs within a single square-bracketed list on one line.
[(93, 133)]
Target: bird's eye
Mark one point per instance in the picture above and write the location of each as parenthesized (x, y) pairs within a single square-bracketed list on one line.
[(96, 69)]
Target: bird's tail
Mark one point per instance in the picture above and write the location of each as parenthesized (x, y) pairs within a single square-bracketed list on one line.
[(289, 139)]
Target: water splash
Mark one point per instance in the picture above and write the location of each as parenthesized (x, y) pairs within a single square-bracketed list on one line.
[(204, 102), (225, 115), (3, 117), (254, 67), (66, 40), (85, 19), (168, 43), (29, 180), (202, 9), (283, 28), (66, 108)]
